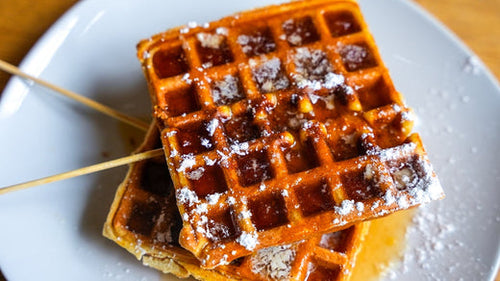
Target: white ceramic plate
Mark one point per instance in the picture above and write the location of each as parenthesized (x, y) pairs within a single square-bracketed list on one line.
[(54, 232)]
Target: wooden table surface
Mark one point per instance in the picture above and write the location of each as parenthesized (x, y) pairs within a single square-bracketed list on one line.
[(477, 23)]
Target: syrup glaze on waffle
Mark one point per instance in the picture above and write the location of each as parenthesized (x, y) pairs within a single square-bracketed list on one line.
[(144, 220), (280, 123)]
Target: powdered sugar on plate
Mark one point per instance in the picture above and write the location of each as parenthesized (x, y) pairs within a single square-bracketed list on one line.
[(455, 239), (432, 237), (472, 65)]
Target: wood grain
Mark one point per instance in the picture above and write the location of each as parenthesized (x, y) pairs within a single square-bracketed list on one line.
[(477, 23), (22, 22)]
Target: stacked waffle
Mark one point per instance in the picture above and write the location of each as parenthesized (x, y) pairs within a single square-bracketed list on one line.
[(282, 132), (144, 219)]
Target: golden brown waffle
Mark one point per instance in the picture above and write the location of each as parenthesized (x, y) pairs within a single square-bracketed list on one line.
[(144, 220), (281, 123)]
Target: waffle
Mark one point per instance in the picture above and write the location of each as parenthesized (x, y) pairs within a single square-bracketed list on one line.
[(144, 220), (281, 123)]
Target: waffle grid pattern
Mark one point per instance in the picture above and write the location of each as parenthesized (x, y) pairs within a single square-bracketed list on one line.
[(283, 154), (145, 221)]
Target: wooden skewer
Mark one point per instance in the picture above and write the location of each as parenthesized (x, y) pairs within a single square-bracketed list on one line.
[(85, 170), (86, 101)]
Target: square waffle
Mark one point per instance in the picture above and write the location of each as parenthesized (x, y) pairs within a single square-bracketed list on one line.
[(281, 123), (144, 220)]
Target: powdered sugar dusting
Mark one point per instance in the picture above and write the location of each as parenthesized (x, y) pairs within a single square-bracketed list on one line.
[(227, 90), (187, 196), (346, 207), (412, 174), (187, 161), (201, 208), (213, 41), (249, 240), (356, 57), (269, 75), (396, 152), (245, 214), (403, 202), (190, 25), (211, 126), (166, 235), (314, 71), (195, 174), (274, 262), (311, 67), (388, 198), (428, 187), (186, 78), (222, 31), (360, 206), (297, 33), (249, 42), (213, 198)]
